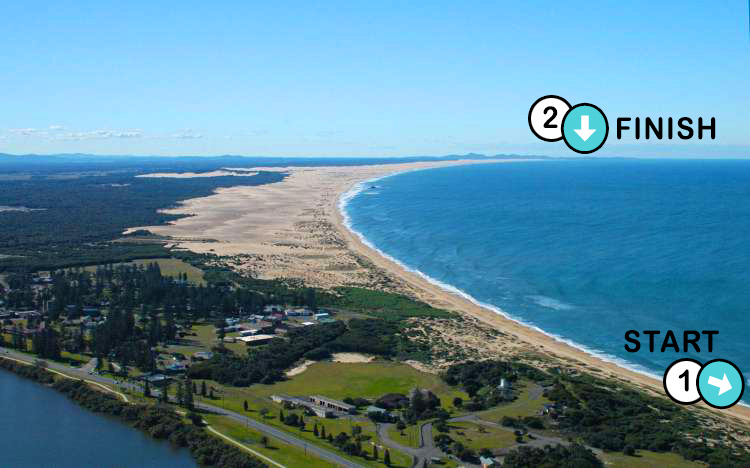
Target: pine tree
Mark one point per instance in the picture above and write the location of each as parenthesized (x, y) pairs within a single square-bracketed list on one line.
[(375, 453), (315, 429), (387, 458), (322, 432), (179, 394), (188, 395), (244, 405), (281, 415), (147, 389), (211, 393), (204, 392)]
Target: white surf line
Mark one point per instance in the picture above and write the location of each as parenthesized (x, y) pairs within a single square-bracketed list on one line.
[(122, 395)]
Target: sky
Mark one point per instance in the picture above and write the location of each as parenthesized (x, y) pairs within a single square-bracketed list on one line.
[(362, 78)]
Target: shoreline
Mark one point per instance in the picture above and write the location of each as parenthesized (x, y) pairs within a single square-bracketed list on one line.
[(296, 229), (492, 315)]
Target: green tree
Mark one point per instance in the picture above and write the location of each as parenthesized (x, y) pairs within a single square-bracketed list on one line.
[(147, 389), (204, 392), (244, 405), (180, 394), (387, 458), (188, 400)]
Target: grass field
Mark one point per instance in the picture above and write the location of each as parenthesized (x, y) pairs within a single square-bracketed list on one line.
[(169, 267), (527, 404), (646, 459), (476, 436), (336, 380), (276, 450), (410, 437)]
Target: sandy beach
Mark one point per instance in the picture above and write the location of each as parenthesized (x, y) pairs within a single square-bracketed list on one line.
[(294, 229)]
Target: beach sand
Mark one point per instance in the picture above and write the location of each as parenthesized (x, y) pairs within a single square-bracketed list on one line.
[(294, 230)]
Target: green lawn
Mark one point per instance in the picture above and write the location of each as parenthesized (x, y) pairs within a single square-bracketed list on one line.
[(476, 436), (524, 405), (367, 380), (276, 450), (336, 380), (169, 267), (410, 437), (646, 459)]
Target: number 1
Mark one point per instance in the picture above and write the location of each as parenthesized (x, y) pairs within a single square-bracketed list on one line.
[(686, 375)]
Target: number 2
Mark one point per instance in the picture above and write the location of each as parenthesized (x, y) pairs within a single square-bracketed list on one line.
[(548, 123)]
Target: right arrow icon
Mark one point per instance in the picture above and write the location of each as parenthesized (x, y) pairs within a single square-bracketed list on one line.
[(723, 385), (584, 132)]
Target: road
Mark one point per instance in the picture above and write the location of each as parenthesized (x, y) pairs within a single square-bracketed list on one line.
[(266, 429)]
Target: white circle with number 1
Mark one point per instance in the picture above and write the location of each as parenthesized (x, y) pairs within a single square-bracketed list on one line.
[(681, 381), (546, 117)]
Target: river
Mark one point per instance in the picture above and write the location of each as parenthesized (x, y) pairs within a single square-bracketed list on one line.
[(42, 428)]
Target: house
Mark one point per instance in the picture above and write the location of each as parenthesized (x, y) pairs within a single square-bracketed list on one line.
[(202, 356), (298, 402), (487, 462), (90, 311), (299, 312), (273, 308), (331, 404), (256, 340), (175, 368), (375, 409), (158, 380), (549, 409)]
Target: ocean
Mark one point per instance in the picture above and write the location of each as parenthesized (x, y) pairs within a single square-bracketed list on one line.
[(584, 250)]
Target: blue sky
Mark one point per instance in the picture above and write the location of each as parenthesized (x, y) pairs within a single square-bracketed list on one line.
[(361, 78)]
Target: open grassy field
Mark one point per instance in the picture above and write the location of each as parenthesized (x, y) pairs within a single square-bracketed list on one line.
[(529, 403), (476, 436), (409, 437), (169, 267), (336, 380), (276, 450), (204, 340), (332, 426), (366, 380), (646, 459)]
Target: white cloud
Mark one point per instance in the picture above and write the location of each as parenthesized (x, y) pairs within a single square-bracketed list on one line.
[(188, 135), (26, 131), (99, 135), (56, 128)]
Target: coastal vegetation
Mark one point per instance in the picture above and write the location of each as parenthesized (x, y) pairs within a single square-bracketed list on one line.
[(74, 220)]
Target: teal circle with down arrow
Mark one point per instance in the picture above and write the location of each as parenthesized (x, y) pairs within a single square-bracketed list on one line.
[(720, 383), (585, 128)]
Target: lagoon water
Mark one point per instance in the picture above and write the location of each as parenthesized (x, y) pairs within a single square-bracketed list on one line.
[(40, 427), (584, 250)]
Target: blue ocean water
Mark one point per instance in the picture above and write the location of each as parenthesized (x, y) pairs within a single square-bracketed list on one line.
[(584, 250)]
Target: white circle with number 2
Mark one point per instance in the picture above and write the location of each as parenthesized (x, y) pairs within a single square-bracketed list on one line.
[(681, 381), (546, 118)]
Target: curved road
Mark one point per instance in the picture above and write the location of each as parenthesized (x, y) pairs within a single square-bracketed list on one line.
[(271, 431)]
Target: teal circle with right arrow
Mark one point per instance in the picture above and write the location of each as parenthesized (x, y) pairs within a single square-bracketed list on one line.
[(585, 128), (720, 383)]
